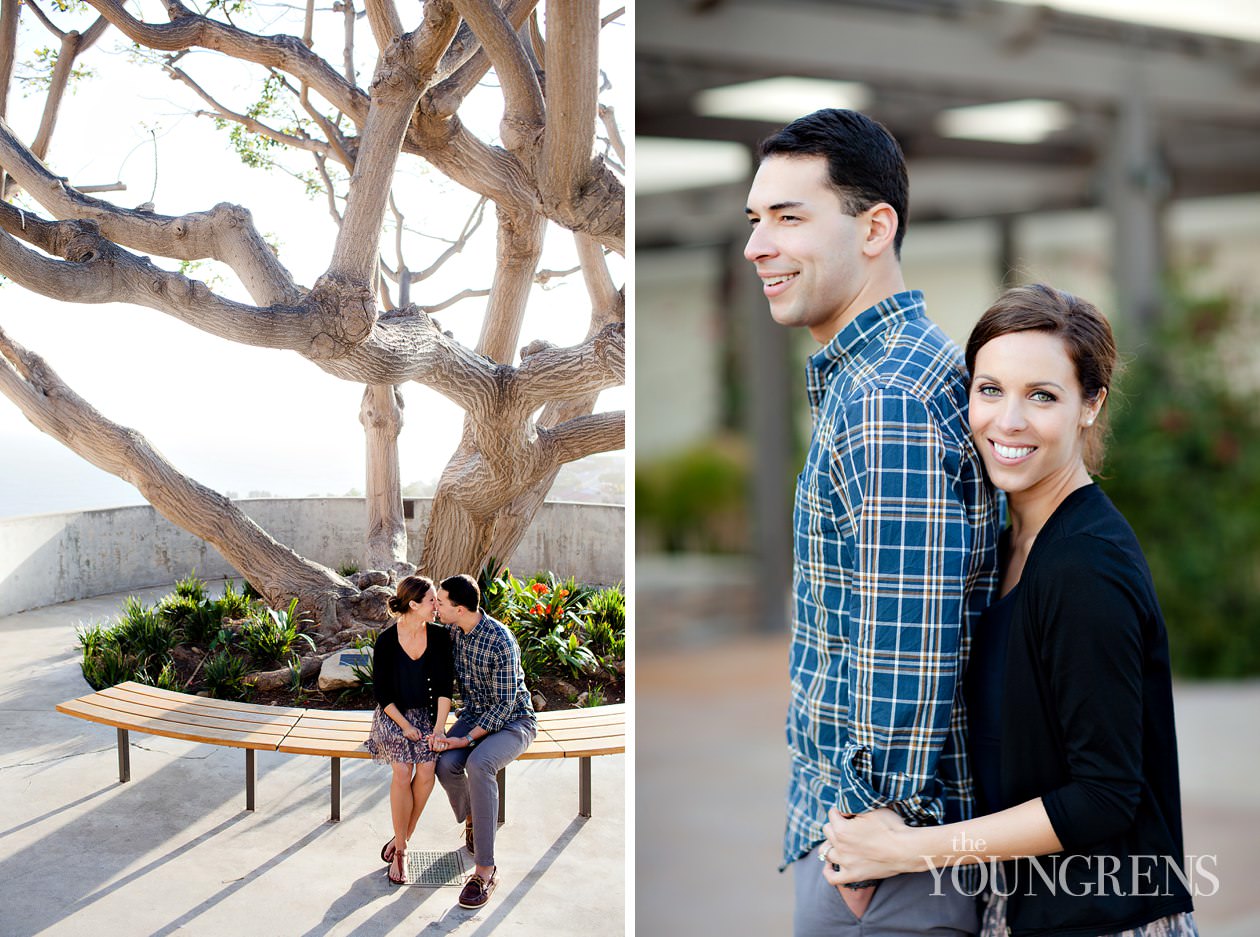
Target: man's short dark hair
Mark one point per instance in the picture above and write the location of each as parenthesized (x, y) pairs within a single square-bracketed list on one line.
[(864, 162), (462, 590)]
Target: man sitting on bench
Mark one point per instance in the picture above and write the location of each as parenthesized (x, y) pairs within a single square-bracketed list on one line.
[(495, 726)]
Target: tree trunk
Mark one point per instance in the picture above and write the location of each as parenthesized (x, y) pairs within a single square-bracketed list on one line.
[(382, 417)]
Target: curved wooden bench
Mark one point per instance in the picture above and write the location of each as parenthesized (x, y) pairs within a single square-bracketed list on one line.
[(335, 734)]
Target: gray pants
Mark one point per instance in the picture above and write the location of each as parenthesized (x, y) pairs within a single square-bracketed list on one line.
[(468, 775), (903, 906)]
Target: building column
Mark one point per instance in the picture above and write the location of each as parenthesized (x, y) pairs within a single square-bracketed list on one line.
[(1136, 191)]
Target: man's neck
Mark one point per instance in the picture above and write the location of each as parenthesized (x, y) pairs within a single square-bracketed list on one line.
[(466, 623), (886, 281)]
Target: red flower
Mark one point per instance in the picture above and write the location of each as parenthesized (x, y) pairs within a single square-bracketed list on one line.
[(563, 592), (539, 588), (537, 610)]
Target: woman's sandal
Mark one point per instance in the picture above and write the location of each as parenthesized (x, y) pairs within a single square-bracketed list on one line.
[(390, 873), (387, 851)]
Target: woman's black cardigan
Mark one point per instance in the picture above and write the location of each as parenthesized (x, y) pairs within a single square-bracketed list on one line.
[(1087, 725), (434, 677)]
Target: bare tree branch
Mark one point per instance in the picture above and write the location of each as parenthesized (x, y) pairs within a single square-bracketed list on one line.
[(286, 53), (609, 119), (72, 44), (583, 436), (451, 301), (249, 123), (10, 10), (523, 116), (396, 89), (48, 24), (465, 64), (225, 233), (55, 408), (386, 24), (321, 165), (347, 52), (572, 88), (548, 373)]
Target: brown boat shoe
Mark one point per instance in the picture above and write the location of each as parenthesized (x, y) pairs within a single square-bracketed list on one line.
[(477, 891)]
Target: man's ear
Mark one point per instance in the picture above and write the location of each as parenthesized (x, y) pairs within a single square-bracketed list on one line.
[(881, 231)]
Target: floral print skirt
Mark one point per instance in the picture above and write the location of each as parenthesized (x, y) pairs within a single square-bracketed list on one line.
[(387, 743), (1175, 925)]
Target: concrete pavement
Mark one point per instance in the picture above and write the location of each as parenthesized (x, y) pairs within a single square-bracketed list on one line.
[(174, 850)]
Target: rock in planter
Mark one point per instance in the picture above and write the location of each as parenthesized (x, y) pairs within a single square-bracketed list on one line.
[(337, 671), (540, 702), (274, 679)]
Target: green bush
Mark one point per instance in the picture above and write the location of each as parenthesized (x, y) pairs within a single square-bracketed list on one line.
[(224, 676), (164, 679), (233, 604), (1182, 467), (143, 633), (107, 665), (696, 500), (609, 606), (190, 587), (270, 635)]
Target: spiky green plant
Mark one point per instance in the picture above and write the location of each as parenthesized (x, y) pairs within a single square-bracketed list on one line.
[(224, 676), (191, 587)]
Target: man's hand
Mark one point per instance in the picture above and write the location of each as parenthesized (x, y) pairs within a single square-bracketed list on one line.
[(869, 846)]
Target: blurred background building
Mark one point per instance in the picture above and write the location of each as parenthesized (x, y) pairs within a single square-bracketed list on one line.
[(1111, 149)]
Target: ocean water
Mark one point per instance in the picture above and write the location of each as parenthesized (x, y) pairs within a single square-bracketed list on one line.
[(38, 475)]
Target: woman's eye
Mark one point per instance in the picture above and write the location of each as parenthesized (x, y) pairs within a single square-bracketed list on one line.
[(1043, 396), (988, 390)]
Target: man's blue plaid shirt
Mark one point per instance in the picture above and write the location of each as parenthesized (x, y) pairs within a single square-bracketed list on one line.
[(488, 666), (895, 557)]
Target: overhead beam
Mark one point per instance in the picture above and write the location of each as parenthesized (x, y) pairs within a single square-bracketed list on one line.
[(968, 50)]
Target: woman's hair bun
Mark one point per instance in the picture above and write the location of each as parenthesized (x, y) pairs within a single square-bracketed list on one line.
[(396, 604)]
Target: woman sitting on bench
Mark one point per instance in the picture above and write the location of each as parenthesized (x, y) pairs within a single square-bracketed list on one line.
[(412, 675)]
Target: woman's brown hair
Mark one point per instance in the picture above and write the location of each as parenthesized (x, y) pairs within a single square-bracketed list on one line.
[(1084, 331), (411, 589)]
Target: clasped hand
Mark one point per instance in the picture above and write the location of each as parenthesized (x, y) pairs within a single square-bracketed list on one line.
[(439, 742), (867, 846)]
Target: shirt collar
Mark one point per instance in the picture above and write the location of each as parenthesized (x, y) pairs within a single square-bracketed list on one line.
[(853, 340)]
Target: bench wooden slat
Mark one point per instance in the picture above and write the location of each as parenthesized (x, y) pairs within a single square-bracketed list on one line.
[(232, 705), (592, 732), (127, 713), (542, 748), (612, 709), (329, 748), (585, 748), (125, 701), (233, 738)]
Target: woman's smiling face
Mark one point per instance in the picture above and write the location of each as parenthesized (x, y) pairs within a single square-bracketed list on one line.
[(1028, 413)]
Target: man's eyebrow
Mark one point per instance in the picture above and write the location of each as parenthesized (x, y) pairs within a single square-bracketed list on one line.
[(777, 206)]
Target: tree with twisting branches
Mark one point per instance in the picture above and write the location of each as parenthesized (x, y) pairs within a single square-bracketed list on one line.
[(556, 166)]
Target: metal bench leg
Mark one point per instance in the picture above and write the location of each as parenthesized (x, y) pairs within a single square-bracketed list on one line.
[(336, 790), (124, 756), (249, 779), (584, 787), (502, 779)]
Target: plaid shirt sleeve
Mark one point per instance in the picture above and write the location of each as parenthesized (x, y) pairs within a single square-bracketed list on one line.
[(910, 560), (501, 666)]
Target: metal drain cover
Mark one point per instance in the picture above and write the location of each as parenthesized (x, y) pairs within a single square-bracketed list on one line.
[(436, 868)]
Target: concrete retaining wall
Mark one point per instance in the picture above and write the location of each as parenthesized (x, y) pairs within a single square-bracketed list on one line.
[(51, 558)]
